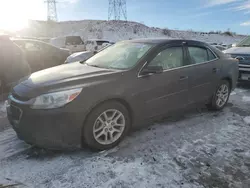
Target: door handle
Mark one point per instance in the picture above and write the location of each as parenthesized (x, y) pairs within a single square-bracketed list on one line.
[(183, 78)]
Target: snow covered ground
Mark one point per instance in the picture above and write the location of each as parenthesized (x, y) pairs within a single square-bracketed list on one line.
[(196, 149), (118, 30), (2, 110)]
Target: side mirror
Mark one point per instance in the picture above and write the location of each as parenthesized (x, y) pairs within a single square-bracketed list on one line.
[(152, 70)]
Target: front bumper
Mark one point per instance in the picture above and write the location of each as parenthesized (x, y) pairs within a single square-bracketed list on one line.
[(53, 129)]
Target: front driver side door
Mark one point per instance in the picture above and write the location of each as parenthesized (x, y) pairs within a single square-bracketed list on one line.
[(168, 90)]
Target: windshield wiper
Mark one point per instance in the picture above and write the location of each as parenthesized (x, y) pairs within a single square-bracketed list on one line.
[(93, 65)]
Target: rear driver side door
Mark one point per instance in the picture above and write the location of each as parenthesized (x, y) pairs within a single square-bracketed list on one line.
[(204, 77)]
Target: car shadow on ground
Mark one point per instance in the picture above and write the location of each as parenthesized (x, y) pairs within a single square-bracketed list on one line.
[(38, 153)]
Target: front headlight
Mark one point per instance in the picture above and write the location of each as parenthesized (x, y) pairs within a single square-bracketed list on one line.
[(56, 99)]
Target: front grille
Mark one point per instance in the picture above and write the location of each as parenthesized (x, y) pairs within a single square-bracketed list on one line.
[(16, 113), (240, 55), (244, 66), (242, 58)]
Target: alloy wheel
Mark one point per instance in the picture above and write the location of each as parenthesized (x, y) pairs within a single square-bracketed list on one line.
[(109, 126), (222, 95)]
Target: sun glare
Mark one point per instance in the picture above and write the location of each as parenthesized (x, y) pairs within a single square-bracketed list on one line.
[(14, 14)]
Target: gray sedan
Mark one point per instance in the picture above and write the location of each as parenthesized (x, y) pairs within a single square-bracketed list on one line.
[(97, 102)]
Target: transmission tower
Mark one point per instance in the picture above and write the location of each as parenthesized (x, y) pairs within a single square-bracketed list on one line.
[(117, 9), (51, 10)]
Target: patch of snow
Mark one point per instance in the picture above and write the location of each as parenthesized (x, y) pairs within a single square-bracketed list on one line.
[(247, 120), (3, 113), (170, 154), (238, 90), (246, 99), (233, 93), (10, 144)]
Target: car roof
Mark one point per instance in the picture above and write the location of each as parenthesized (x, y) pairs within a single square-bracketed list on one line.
[(162, 41), (24, 39), (31, 40)]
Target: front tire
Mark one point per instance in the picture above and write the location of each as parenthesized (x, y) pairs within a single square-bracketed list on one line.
[(106, 126), (221, 96)]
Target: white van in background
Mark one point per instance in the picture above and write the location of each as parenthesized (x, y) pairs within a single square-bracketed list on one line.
[(96, 44), (73, 43)]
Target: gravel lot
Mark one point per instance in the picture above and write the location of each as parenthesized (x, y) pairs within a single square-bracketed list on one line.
[(197, 149)]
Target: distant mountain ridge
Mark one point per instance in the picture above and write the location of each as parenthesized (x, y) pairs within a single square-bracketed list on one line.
[(118, 30)]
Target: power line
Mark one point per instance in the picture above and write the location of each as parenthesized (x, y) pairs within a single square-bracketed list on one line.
[(117, 10), (51, 10)]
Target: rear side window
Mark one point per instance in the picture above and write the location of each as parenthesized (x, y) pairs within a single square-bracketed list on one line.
[(73, 40), (197, 54), (200, 55)]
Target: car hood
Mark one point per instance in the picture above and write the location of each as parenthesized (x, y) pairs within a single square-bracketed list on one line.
[(238, 50), (63, 76)]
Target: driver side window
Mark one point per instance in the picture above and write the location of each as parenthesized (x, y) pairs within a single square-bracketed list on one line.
[(169, 58)]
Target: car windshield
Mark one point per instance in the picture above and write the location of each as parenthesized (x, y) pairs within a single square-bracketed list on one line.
[(245, 42), (119, 56)]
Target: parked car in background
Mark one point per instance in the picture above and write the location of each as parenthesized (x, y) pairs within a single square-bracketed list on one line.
[(212, 43), (73, 43), (220, 47), (97, 102), (13, 64), (242, 52), (41, 55), (82, 56), (44, 39), (96, 44), (79, 56), (225, 45)]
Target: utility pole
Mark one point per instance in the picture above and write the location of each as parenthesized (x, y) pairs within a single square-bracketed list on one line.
[(117, 9), (51, 10)]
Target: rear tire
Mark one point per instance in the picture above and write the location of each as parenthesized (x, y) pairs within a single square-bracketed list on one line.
[(106, 126), (220, 96)]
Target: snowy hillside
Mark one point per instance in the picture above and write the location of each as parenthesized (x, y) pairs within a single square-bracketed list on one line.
[(117, 30)]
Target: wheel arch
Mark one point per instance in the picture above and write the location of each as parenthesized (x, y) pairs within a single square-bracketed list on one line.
[(122, 101), (229, 79)]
